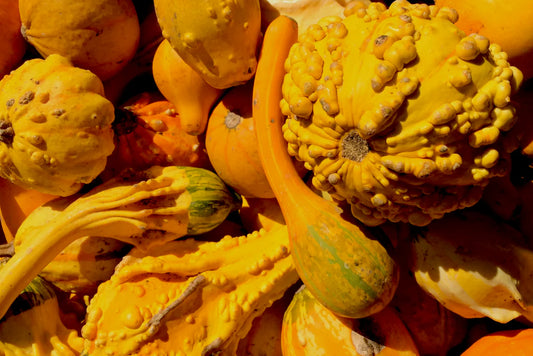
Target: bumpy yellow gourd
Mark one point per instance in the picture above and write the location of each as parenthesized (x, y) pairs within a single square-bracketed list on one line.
[(218, 38), (189, 297), (397, 111), (55, 126)]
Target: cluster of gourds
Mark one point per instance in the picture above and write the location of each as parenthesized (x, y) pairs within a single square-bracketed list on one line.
[(264, 177)]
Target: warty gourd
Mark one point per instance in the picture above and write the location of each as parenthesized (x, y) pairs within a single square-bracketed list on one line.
[(397, 112)]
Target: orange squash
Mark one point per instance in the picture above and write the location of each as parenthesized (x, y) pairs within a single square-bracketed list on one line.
[(231, 144), (506, 342), (12, 44), (507, 23), (148, 132)]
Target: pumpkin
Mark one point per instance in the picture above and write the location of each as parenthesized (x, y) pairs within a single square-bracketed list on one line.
[(184, 88), (99, 35), (33, 326), (505, 23), (55, 125), (475, 265), (515, 342), (397, 112), (231, 144), (219, 39), (309, 328), (148, 132), (141, 208), (12, 44), (189, 297), (16, 203), (344, 264)]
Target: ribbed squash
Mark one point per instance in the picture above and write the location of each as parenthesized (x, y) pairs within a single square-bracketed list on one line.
[(219, 39), (142, 208), (189, 297), (12, 44), (345, 265), (55, 126), (397, 112), (310, 329), (32, 325), (476, 266), (99, 35)]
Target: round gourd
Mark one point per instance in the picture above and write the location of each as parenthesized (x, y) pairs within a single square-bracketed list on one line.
[(55, 126), (398, 112), (231, 144), (99, 35), (12, 44)]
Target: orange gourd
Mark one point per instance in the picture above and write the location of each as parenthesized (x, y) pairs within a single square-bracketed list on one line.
[(333, 256), (507, 23), (507, 342), (231, 144), (148, 132), (12, 44)]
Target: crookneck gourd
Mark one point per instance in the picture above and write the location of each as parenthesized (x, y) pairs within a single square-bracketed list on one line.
[(55, 126), (142, 208), (399, 113), (189, 297)]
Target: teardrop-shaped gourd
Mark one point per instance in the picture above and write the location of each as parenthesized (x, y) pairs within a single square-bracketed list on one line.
[(184, 88), (142, 208), (219, 39), (55, 126), (33, 326), (310, 329), (189, 297), (342, 262), (475, 265), (99, 35)]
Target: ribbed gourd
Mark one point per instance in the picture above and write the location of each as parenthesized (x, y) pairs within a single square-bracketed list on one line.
[(398, 112), (55, 126), (142, 208), (189, 297), (218, 38)]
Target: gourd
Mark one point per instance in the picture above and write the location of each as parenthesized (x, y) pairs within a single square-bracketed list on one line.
[(475, 265), (506, 24), (184, 88), (219, 39), (260, 213), (32, 325), (12, 44), (515, 342), (55, 125), (231, 144), (141, 208), (397, 112), (99, 35), (342, 262), (148, 132), (310, 329), (189, 297)]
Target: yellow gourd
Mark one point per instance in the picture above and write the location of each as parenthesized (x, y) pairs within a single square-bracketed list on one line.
[(55, 126), (219, 39)]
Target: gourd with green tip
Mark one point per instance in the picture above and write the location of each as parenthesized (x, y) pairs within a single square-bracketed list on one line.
[(189, 297), (218, 38), (142, 208), (55, 126), (397, 112)]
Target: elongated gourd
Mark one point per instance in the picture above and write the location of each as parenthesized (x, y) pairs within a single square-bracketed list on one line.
[(141, 208), (344, 266), (189, 297)]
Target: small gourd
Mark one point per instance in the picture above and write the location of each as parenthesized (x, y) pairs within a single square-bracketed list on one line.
[(219, 39), (345, 265), (99, 35), (55, 126), (515, 342), (398, 112)]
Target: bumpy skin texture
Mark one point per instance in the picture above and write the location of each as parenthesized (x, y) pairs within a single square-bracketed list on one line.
[(398, 112), (55, 126)]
